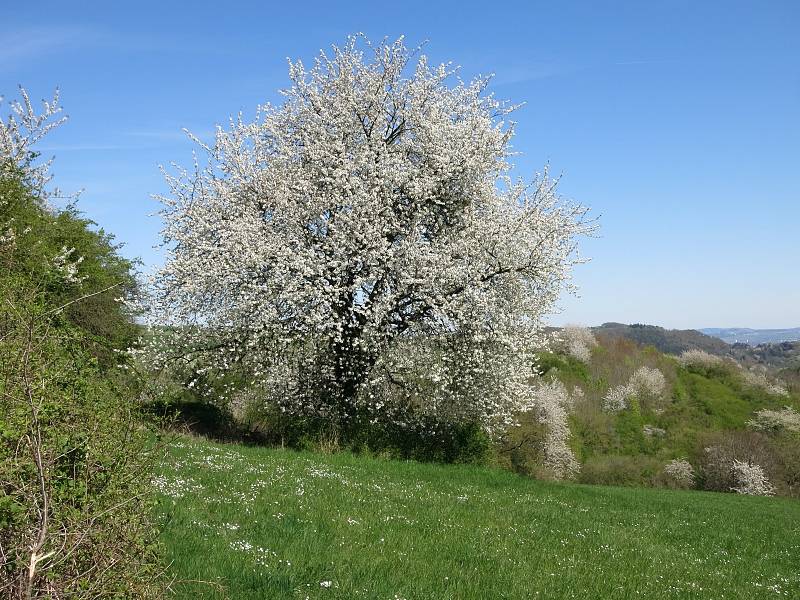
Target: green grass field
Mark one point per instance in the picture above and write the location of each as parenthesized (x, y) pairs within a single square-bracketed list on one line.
[(261, 523)]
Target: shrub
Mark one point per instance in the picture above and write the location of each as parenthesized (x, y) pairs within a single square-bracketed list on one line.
[(646, 387), (771, 420), (551, 405), (750, 479), (618, 470), (699, 358), (75, 494), (75, 461), (681, 472), (575, 340), (759, 381), (720, 452)]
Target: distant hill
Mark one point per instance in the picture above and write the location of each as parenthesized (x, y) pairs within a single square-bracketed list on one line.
[(753, 337), (778, 355), (668, 341)]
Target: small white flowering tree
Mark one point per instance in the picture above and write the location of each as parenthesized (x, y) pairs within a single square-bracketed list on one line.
[(552, 405), (646, 385), (759, 381), (681, 472), (699, 358), (772, 420), (750, 479), (575, 340), (364, 247)]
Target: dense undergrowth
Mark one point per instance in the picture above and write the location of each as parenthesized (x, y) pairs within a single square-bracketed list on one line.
[(702, 407), (75, 457)]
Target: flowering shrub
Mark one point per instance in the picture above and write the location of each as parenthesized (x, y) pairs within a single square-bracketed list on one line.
[(681, 472), (75, 462), (575, 340), (699, 358), (617, 398), (651, 431), (750, 479), (363, 250), (759, 381), (771, 420), (552, 404), (646, 385)]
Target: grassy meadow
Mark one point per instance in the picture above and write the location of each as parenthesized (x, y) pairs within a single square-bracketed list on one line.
[(242, 522)]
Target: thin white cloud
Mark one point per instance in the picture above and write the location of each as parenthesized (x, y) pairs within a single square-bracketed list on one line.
[(534, 71), (32, 43), (36, 42)]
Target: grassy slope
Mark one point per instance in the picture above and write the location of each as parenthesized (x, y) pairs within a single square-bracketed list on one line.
[(273, 524)]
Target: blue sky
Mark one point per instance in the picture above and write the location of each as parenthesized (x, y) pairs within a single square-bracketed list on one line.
[(678, 122)]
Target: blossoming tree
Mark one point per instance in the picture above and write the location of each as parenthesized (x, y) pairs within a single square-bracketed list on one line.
[(363, 247)]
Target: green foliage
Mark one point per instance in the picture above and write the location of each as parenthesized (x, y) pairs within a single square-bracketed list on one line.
[(621, 470), (567, 368), (367, 433), (701, 406), (36, 235), (75, 461)]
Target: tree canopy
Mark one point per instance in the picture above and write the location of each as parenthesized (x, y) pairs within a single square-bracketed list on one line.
[(362, 249)]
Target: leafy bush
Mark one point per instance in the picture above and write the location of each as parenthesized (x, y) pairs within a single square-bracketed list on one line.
[(627, 471), (75, 461), (74, 464), (717, 455)]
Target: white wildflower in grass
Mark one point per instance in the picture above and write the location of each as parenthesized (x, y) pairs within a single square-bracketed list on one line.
[(750, 479), (699, 358), (575, 340), (680, 471), (552, 404), (759, 381), (772, 420), (646, 386), (364, 249)]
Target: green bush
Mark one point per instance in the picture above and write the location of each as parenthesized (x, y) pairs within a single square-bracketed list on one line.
[(619, 470), (75, 461)]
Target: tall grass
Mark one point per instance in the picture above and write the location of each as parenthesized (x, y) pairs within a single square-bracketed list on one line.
[(259, 523)]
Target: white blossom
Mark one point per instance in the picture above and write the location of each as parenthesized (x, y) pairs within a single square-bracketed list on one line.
[(364, 247), (646, 385), (699, 358), (770, 420), (759, 381), (575, 340), (552, 405), (20, 130), (617, 398), (750, 479), (681, 471)]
